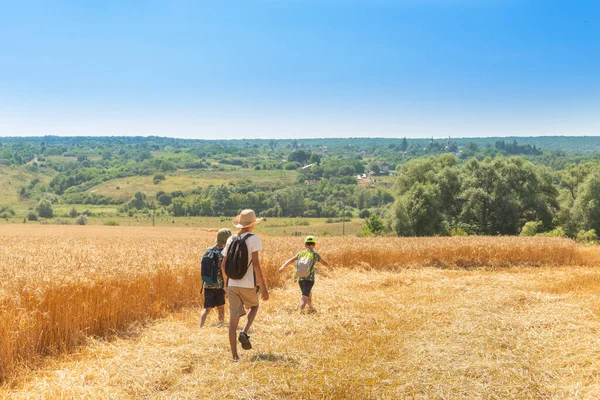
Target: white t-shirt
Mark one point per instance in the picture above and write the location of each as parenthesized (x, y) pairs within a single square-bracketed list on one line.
[(254, 244)]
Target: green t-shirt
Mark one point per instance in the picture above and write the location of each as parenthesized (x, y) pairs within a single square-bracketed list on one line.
[(313, 256)]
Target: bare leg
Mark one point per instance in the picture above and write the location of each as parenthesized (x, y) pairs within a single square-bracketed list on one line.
[(203, 316), (303, 302), (233, 324), (309, 302), (221, 311), (251, 316)]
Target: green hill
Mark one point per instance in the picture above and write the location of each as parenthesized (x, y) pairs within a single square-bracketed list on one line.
[(186, 181), (13, 178)]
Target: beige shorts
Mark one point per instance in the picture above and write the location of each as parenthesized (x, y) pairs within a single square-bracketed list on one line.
[(241, 298)]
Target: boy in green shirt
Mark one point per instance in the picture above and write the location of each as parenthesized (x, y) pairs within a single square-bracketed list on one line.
[(305, 271)]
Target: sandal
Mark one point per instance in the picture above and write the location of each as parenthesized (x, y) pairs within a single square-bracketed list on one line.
[(245, 341)]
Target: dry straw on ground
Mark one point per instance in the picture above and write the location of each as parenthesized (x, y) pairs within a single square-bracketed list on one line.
[(64, 285), (418, 333)]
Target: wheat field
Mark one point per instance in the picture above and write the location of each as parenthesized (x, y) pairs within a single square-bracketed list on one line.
[(112, 312)]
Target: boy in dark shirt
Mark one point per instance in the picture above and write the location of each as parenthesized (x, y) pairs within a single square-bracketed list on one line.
[(214, 296)]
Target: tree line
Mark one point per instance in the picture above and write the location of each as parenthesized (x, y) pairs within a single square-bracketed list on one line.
[(494, 196)]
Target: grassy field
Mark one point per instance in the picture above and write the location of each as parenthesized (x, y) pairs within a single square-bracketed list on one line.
[(102, 215), (62, 159), (187, 181), (111, 312), (13, 178)]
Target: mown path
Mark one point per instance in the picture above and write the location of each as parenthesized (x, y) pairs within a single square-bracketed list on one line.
[(418, 333)]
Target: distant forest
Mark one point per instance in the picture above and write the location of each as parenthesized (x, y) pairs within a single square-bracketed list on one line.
[(462, 186)]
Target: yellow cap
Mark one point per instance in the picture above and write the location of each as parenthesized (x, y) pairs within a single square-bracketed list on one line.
[(310, 239)]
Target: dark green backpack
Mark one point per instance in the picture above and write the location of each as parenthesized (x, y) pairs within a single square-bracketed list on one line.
[(209, 267)]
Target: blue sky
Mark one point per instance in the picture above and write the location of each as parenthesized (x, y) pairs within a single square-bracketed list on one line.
[(300, 68)]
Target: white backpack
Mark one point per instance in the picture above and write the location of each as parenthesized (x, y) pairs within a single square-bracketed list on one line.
[(303, 267)]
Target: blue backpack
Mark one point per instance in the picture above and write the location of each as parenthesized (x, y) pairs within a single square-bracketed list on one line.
[(209, 267)]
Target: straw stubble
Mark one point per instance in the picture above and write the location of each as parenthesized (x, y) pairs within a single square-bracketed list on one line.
[(431, 317)]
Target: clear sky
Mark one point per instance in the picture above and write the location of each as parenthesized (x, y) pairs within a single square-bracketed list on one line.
[(300, 68)]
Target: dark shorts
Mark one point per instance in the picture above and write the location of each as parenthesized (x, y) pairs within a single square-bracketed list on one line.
[(306, 287), (214, 298)]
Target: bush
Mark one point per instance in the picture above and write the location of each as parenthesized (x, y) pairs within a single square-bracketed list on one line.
[(457, 231), (365, 231), (73, 213), (111, 222), (6, 210), (165, 200), (558, 232), (61, 221), (375, 224), (587, 236), (158, 178), (32, 216), (364, 213), (81, 220), (531, 228), (44, 208), (291, 165)]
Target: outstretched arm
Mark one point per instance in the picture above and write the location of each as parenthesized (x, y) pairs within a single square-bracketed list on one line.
[(325, 263), (287, 263)]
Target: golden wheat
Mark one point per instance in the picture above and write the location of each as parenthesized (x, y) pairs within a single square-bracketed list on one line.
[(61, 285), (416, 333)]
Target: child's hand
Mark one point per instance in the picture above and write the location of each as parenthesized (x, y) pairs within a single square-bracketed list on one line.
[(264, 294)]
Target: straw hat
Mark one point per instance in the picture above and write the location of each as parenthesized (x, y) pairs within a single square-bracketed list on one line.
[(246, 219)]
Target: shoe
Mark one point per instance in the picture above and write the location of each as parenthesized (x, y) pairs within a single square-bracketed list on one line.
[(245, 341)]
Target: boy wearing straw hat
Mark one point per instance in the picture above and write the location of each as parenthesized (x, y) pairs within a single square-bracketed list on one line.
[(214, 295), (242, 293)]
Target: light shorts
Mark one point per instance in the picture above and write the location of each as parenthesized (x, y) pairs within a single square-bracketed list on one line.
[(241, 298)]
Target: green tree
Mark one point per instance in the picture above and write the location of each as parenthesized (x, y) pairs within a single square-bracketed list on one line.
[(374, 223), (404, 145), (138, 201), (418, 212), (500, 195), (586, 208), (178, 206), (165, 199), (441, 171), (301, 156), (44, 208)]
